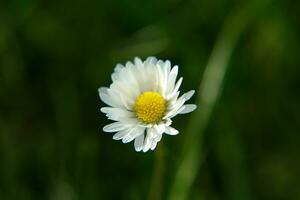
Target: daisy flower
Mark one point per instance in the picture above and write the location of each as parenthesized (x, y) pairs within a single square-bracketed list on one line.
[(142, 100)]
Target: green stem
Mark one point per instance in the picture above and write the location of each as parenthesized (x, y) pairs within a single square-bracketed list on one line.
[(156, 185)]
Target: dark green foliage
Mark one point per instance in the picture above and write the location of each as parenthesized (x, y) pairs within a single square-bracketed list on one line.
[(55, 55)]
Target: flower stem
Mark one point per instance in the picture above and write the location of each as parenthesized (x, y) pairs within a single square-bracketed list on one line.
[(156, 185)]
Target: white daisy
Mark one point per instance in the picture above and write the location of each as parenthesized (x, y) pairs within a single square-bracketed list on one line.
[(142, 100)]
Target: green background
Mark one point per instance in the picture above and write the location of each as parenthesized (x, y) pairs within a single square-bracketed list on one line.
[(55, 54)]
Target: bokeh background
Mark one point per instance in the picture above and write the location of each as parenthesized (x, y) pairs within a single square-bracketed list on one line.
[(55, 54)]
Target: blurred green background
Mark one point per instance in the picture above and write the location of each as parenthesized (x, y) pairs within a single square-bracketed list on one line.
[(55, 54)]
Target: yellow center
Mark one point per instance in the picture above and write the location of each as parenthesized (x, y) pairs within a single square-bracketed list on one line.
[(150, 107)]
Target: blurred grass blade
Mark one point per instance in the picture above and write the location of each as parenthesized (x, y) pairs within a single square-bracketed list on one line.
[(209, 91)]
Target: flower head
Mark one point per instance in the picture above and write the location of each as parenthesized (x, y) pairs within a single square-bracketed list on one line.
[(142, 100)]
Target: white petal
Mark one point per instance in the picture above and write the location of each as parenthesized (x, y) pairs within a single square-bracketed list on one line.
[(138, 61), (188, 108), (171, 79), (159, 128), (157, 138), (189, 95), (167, 122), (104, 96), (153, 145), (121, 134), (135, 132), (117, 70), (171, 131), (139, 142), (128, 103), (128, 138), (114, 127), (176, 112), (140, 75), (118, 67), (117, 114), (175, 90), (151, 79), (151, 60), (175, 109), (133, 77), (165, 68), (115, 97), (124, 89), (148, 140), (175, 105), (127, 83), (156, 81), (117, 111)]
